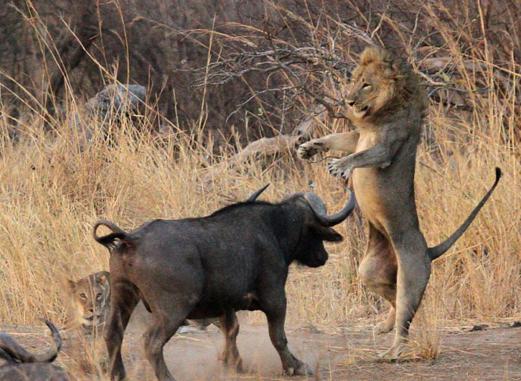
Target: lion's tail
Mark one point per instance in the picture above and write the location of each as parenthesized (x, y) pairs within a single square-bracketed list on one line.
[(437, 251), (109, 240)]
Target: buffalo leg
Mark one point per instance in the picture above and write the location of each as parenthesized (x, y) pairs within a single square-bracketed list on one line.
[(230, 328), (276, 318), (170, 311), (124, 298), (155, 339)]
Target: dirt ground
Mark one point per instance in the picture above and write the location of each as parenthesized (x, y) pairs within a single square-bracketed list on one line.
[(484, 353)]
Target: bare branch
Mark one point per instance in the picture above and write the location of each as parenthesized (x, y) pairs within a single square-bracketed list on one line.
[(270, 146)]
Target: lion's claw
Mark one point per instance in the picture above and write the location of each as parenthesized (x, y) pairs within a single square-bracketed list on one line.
[(307, 150), (340, 168)]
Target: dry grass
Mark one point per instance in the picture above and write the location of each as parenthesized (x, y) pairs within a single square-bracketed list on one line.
[(53, 187)]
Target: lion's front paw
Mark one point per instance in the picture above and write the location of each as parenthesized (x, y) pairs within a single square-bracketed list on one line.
[(307, 150), (340, 167)]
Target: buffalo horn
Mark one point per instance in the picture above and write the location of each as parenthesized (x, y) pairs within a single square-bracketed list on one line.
[(319, 209)]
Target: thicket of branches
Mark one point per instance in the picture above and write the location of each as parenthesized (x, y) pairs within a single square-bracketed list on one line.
[(254, 66)]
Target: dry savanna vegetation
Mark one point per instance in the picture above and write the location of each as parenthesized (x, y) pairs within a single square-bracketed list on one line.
[(56, 180)]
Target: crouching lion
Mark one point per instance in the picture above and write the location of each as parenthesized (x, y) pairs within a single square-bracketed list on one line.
[(89, 302), (387, 104)]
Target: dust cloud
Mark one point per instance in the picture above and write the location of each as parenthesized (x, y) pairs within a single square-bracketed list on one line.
[(194, 356)]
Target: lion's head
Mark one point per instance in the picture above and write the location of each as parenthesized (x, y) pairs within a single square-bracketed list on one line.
[(90, 300), (381, 84)]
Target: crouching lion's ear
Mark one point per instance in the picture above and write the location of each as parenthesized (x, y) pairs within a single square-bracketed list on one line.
[(103, 277), (327, 234), (71, 285)]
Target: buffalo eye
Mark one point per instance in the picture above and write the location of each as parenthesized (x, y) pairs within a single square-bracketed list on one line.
[(366, 86), (98, 297)]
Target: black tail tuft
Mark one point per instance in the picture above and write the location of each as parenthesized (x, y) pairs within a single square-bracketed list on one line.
[(499, 173)]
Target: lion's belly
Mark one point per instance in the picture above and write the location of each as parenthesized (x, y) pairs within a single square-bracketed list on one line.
[(370, 191), (380, 201)]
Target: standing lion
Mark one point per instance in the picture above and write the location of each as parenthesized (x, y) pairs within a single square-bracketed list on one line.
[(387, 105)]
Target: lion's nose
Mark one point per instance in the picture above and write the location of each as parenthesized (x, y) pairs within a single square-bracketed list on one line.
[(350, 102)]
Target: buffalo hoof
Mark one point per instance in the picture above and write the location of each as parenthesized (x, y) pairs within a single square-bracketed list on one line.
[(301, 370), (238, 366), (232, 363)]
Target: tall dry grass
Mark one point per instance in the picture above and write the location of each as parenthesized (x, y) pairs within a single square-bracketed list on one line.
[(55, 185)]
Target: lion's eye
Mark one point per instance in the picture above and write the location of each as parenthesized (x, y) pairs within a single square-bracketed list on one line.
[(83, 296), (98, 297)]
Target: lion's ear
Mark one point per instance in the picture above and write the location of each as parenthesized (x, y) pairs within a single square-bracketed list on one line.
[(397, 68), (371, 54), (103, 277), (393, 69), (71, 285)]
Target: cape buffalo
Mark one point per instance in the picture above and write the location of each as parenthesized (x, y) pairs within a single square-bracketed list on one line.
[(234, 259)]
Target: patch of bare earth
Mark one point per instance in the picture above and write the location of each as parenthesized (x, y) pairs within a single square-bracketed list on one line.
[(349, 354)]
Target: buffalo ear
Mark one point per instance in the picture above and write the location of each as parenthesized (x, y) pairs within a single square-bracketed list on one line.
[(327, 234)]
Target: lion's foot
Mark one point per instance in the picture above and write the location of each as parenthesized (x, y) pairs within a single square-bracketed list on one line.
[(393, 353), (388, 324), (340, 167), (383, 327), (307, 150)]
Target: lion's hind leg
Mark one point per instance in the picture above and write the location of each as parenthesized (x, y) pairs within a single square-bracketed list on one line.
[(414, 268), (387, 325), (378, 271)]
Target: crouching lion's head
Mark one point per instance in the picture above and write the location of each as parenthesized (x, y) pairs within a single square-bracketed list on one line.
[(90, 301), (380, 85)]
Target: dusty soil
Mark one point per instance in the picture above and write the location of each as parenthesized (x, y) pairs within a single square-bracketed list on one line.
[(348, 354)]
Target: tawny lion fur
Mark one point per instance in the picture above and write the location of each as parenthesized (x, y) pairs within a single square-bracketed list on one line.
[(89, 302), (387, 104)]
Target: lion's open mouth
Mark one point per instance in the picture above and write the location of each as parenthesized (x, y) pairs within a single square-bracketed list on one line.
[(361, 112)]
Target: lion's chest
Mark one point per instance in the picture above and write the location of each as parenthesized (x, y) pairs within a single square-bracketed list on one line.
[(375, 188), (367, 139), (368, 181)]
